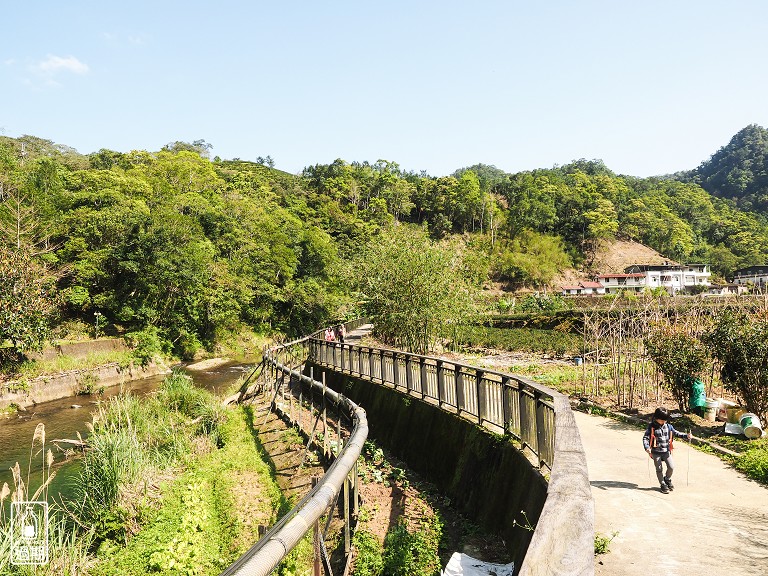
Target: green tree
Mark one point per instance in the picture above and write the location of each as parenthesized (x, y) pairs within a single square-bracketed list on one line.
[(412, 288), (722, 261), (652, 222), (738, 170), (531, 198), (530, 259), (29, 201), (27, 301), (467, 200), (200, 147), (679, 357), (601, 221), (740, 342), (488, 175)]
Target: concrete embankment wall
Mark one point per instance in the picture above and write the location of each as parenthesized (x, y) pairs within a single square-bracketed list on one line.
[(81, 349), (73, 382), (483, 474)]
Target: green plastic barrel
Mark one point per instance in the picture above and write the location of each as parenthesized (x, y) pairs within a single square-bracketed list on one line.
[(698, 394)]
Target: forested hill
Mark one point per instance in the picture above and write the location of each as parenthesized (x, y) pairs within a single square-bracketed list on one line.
[(182, 250), (738, 171)]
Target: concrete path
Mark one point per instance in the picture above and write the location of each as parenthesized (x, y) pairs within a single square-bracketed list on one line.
[(714, 522), (354, 336)]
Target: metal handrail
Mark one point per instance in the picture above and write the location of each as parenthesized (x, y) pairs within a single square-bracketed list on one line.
[(264, 556), (505, 403), (537, 416)]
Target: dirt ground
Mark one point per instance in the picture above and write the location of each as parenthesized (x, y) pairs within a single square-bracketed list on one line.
[(504, 361)]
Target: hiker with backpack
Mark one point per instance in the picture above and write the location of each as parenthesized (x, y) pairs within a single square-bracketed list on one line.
[(658, 443)]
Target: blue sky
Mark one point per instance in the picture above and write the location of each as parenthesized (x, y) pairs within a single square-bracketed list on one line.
[(649, 87)]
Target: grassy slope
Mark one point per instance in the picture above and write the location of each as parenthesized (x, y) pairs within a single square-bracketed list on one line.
[(208, 515)]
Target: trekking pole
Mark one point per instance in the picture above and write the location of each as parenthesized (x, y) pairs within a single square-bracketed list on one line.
[(688, 471), (648, 466)]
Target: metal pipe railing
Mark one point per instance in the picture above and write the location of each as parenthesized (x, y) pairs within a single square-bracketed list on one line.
[(264, 556)]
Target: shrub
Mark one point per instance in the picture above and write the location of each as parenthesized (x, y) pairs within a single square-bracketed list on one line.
[(113, 460), (28, 302), (602, 543), (413, 289), (146, 344), (87, 383), (196, 526), (369, 561), (10, 359), (187, 345), (179, 393), (412, 553), (132, 434), (754, 462), (521, 339), (740, 343), (210, 416), (545, 303), (678, 356)]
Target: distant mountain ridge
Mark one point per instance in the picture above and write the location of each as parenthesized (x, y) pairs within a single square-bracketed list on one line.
[(738, 171), (522, 229)]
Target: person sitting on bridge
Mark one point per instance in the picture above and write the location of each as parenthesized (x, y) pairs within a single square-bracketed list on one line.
[(657, 442)]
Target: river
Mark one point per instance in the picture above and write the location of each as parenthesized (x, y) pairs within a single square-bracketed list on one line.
[(63, 421)]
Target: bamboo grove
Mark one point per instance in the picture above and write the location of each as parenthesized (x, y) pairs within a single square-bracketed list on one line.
[(635, 350)]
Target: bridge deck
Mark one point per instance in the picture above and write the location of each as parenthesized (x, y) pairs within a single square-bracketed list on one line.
[(714, 522), (357, 334)]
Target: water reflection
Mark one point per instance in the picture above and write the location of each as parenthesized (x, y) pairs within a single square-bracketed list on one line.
[(63, 421)]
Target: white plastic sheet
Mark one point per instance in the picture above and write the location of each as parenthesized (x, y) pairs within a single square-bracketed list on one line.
[(463, 565)]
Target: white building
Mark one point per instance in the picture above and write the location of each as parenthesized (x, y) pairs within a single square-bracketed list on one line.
[(615, 283), (726, 290), (674, 278), (757, 276)]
